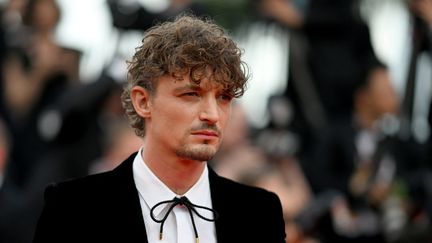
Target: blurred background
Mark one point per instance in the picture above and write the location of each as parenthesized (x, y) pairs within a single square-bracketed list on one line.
[(336, 119)]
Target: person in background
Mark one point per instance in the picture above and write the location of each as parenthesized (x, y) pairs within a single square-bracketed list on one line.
[(33, 77), (355, 163), (182, 81)]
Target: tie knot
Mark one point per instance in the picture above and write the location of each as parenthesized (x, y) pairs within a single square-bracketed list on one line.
[(181, 200)]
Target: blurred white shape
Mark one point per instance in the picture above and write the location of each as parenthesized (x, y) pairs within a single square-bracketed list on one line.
[(266, 53), (49, 124), (389, 23), (86, 26), (391, 33), (422, 98), (155, 6)]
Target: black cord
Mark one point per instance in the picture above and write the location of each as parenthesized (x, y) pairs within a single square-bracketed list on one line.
[(191, 208)]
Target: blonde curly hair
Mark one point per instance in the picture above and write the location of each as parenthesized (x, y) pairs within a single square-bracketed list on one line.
[(186, 46)]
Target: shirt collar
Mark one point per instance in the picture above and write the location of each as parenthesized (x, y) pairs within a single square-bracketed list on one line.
[(153, 190)]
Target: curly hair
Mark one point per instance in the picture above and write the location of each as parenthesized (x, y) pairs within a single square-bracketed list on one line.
[(186, 46)]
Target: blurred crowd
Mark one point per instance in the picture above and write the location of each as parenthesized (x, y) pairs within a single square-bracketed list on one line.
[(336, 146)]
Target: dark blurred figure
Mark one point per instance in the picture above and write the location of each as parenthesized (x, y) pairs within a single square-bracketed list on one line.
[(35, 73), (338, 39), (356, 164), (69, 153), (131, 15), (32, 78), (374, 102), (422, 42), (340, 113), (328, 43), (43, 101)]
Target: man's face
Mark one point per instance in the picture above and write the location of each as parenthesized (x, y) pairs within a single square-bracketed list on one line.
[(188, 119)]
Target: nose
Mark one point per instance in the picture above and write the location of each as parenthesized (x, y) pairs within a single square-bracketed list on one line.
[(209, 110)]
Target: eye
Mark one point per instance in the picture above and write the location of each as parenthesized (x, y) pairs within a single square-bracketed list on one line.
[(225, 97), (190, 94)]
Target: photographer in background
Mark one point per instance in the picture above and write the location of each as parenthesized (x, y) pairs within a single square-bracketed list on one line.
[(35, 72)]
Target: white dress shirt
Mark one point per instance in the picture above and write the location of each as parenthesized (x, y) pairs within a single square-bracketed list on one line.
[(178, 226)]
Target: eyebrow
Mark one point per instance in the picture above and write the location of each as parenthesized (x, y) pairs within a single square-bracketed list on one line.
[(191, 86), (188, 87)]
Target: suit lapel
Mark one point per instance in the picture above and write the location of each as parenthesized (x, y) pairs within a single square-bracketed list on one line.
[(221, 205), (130, 218)]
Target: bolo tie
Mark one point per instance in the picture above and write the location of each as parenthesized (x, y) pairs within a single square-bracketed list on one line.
[(191, 209)]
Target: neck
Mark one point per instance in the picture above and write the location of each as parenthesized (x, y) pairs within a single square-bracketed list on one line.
[(178, 174)]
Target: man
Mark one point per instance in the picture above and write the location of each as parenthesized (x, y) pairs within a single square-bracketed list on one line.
[(355, 164), (182, 80)]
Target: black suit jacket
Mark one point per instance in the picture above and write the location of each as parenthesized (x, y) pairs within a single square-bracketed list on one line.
[(105, 208)]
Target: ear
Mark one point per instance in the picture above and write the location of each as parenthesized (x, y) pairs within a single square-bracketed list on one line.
[(141, 101)]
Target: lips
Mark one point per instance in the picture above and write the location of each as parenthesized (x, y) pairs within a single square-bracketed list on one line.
[(207, 133)]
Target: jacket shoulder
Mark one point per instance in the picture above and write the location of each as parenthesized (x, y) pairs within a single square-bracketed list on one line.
[(259, 210), (95, 185), (240, 190)]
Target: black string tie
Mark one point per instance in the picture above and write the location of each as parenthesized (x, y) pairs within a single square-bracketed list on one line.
[(191, 208)]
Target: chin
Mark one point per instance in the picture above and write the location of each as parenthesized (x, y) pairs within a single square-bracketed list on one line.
[(202, 152)]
